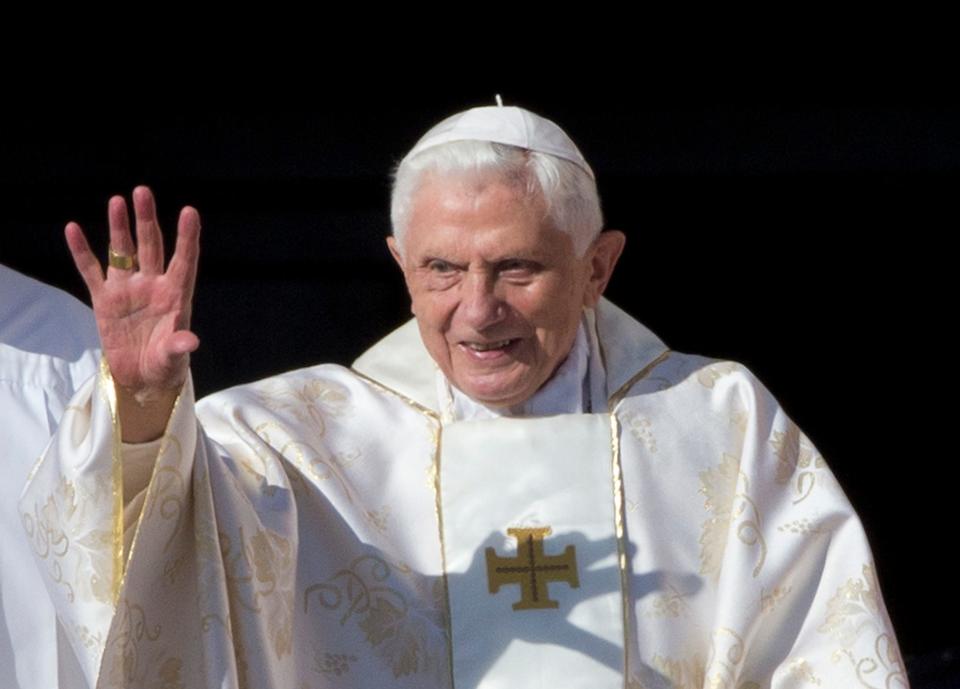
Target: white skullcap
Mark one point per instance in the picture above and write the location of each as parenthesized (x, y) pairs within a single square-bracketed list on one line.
[(503, 125)]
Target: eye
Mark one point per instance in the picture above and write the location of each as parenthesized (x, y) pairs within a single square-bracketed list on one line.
[(436, 265), (517, 267)]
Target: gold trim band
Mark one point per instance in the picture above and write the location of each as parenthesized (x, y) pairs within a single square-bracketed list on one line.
[(616, 397), (622, 550)]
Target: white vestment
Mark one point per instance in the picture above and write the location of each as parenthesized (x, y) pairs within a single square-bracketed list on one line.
[(48, 347), (336, 527)]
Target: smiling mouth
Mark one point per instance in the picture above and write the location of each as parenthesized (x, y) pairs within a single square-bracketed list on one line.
[(488, 350), (487, 346)]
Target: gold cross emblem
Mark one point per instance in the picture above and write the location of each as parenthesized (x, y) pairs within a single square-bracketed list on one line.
[(532, 569)]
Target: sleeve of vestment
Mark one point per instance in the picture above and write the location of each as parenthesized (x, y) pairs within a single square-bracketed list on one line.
[(781, 589), (246, 551)]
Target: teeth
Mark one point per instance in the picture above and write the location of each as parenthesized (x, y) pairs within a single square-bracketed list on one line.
[(480, 347)]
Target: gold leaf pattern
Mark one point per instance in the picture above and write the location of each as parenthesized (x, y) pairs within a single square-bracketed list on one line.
[(313, 461), (260, 576), (709, 375), (89, 639), (803, 526), (796, 456), (686, 673), (719, 671), (378, 518), (366, 593), (801, 669), (125, 660), (670, 604), (739, 420), (854, 605), (640, 428), (853, 611), (333, 663), (769, 601), (168, 674), (727, 498), (727, 651), (309, 401), (80, 557), (167, 489)]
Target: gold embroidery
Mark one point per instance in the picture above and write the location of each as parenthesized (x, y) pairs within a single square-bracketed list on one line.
[(105, 385), (169, 674), (640, 428), (260, 575), (855, 603), (739, 419), (172, 567), (801, 526), (691, 673), (382, 613), (709, 375), (856, 609), (620, 525), (333, 663), (532, 569), (89, 639), (727, 653), (727, 497), (769, 601), (672, 604), (616, 397), (378, 518), (682, 673), (797, 455), (317, 464), (308, 401), (801, 669), (167, 489), (123, 659), (433, 427), (80, 557)]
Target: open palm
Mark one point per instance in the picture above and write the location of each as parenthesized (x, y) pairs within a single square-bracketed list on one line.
[(143, 314)]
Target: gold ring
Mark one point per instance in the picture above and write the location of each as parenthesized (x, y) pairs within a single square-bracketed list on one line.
[(121, 261)]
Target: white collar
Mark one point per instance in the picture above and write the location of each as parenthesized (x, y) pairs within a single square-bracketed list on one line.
[(624, 347)]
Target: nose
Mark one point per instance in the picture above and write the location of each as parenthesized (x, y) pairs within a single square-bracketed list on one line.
[(481, 306)]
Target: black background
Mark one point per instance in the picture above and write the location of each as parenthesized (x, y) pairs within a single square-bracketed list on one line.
[(803, 234)]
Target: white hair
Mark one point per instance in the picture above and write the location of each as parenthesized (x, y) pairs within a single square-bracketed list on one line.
[(570, 194)]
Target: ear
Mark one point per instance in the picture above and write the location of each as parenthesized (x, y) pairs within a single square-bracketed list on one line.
[(398, 257), (602, 256), (395, 252)]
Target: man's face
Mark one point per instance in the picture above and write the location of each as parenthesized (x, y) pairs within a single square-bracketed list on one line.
[(497, 291)]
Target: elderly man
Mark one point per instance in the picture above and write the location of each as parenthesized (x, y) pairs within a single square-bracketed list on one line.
[(521, 487)]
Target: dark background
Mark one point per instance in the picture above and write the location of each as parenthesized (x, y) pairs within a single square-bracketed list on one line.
[(805, 237)]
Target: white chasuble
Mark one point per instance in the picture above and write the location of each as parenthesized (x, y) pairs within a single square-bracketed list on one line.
[(338, 528), (530, 540)]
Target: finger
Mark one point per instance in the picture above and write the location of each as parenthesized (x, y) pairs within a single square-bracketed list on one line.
[(87, 264), (183, 265), (149, 237), (176, 351), (120, 240), (182, 342)]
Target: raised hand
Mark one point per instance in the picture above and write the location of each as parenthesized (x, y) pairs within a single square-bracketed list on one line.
[(143, 314)]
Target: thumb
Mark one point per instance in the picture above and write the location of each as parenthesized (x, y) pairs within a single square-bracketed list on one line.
[(183, 342)]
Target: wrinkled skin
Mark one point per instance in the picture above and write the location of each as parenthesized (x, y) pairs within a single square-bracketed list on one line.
[(143, 314), (497, 291)]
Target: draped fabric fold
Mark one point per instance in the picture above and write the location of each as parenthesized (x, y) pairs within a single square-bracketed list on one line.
[(309, 532)]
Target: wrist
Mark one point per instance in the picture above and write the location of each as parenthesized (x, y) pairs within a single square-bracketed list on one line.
[(144, 412)]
